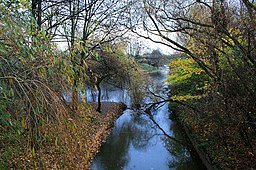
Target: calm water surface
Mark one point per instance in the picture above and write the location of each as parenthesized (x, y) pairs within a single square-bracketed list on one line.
[(136, 143)]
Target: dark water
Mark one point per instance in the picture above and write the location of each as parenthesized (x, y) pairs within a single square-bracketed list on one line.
[(136, 143)]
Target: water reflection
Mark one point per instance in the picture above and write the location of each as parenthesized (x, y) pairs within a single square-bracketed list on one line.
[(131, 138), (137, 143), (109, 93), (184, 157)]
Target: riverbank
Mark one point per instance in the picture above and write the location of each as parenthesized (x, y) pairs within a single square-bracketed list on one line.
[(72, 144), (110, 113), (215, 151), (220, 119), (195, 151)]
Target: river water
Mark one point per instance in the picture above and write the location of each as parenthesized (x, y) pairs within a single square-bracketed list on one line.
[(136, 143)]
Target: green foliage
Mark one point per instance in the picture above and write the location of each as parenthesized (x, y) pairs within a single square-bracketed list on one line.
[(11, 137), (187, 78), (116, 68), (148, 67), (134, 78), (30, 81), (224, 119), (33, 76)]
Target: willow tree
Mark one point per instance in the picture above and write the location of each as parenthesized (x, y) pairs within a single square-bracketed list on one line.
[(30, 80), (112, 67)]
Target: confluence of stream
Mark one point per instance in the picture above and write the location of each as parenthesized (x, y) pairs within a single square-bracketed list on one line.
[(136, 143)]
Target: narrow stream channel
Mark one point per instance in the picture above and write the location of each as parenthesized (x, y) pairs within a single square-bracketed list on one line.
[(136, 143)]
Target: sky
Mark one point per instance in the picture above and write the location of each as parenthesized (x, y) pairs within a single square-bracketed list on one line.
[(153, 46), (147, 45)]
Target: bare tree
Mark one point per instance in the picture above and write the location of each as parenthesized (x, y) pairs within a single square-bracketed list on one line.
[(219, 35), (85, 25)]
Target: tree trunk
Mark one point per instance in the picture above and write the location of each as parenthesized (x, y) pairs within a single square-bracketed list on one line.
[(74, 96), (37, 12), (99, 97), (73, 57)]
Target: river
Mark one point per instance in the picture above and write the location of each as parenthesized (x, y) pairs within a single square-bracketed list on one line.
[(136, 143)]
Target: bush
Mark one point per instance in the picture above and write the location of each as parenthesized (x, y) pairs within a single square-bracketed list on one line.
[(31, 82)]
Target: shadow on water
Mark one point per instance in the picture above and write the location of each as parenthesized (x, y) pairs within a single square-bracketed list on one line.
[(131, 133), (136, 143), (184, 157)]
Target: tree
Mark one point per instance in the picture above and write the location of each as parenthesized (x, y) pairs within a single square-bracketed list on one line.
[(83, 25), (219, 37), (100, 20), (110, 67), (36, 8), (30, 76), (156, 58)]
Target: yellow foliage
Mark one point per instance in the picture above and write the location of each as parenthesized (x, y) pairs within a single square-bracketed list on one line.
[(183, 69), (186, 97)]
